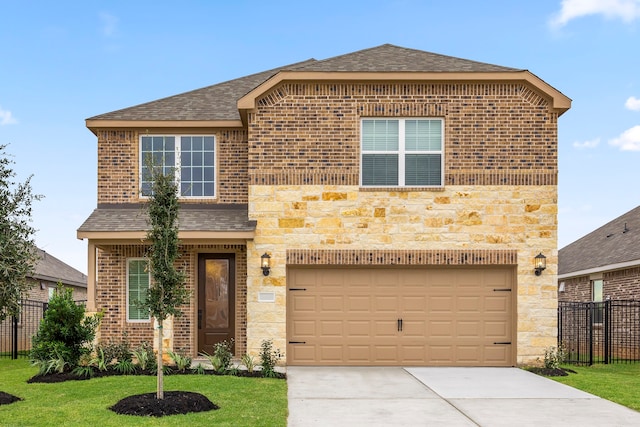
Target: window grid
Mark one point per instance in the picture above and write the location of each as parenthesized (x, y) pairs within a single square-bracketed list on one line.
[(412, 159), (190, 157)]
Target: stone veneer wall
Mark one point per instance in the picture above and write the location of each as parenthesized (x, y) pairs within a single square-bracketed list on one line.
[(181, 333), (466, 224)]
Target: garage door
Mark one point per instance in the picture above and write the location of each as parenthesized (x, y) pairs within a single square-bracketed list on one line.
[(400, 316)]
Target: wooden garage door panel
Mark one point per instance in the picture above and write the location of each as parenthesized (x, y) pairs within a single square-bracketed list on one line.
[(449, 316)]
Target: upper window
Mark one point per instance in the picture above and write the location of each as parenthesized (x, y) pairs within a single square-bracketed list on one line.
[(190, 158), (402, 152), (138, 279)]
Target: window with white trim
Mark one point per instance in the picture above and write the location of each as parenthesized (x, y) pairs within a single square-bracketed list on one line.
[(138, 279), (190, 158), (402, 152)]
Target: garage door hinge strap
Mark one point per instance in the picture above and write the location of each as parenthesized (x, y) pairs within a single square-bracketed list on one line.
[(502, 290), (297, 342), (500, 342), (297, 289)]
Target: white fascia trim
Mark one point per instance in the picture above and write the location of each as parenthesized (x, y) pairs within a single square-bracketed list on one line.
[(609, 267)]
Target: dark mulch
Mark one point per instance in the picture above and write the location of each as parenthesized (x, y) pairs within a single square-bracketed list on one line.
[(6, 398), (69, 376), (174, 403), (551, 372)]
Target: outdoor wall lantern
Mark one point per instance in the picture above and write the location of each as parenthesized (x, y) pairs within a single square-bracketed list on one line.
[(266, 263), (540, 262)]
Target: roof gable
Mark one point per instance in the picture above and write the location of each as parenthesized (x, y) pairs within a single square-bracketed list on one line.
[(616, 242)]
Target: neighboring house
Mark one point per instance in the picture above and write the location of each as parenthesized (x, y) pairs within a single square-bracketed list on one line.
[(49, 272), (398, 198), (604, 264)]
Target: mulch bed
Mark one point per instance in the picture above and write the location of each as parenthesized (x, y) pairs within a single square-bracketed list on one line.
[(69, 376), (6, 398), (174, 403), (551, 372)]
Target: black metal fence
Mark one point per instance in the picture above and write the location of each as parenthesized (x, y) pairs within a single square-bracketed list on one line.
[(600, 332), (16, 332)]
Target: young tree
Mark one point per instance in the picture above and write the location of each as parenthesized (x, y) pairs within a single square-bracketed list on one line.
[(167, 291), (18, 255)]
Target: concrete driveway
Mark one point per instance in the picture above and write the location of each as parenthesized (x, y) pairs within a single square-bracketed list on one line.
[(394, 396)]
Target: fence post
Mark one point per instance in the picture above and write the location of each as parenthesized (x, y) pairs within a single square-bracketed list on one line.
[(607, 337), (590, 326), (14, 346)]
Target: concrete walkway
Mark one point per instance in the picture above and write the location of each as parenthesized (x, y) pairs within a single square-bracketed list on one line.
[(488, 397)]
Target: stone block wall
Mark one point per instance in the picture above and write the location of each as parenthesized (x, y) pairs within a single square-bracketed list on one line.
[(465, 222)]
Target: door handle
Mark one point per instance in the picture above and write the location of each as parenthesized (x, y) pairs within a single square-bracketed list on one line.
[(399, 325), (200, 319)]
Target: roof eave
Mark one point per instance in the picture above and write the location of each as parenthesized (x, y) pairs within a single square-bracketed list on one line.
[(186, 237), (600, 269), (560, 102), (95, 124)]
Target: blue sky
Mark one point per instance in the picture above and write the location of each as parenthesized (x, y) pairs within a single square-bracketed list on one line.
[(62, 62)]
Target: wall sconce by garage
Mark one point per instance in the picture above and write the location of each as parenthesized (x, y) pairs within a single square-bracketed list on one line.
[(540, 262), (265, 261)]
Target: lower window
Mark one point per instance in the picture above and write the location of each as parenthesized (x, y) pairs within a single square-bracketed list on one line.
[(138, 279)]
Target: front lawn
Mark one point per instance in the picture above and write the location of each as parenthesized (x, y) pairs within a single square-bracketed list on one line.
[(242, 401), (618, 382)]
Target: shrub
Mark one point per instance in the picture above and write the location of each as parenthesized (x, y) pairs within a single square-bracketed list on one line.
[(221, 357), (65, 334), (554, 357), (145, 357), (249, 362), (182, 361), (115, 351), (269, 358)]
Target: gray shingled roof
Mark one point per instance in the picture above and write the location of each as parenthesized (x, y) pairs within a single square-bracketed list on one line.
[(390, 58), (219, 102), (222, 218), (51, 269), (615, 242)]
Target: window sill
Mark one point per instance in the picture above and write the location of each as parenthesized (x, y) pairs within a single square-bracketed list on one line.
[(401, 189)]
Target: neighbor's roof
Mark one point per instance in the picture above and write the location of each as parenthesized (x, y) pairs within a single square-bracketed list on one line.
[(219, 103), (51, 269), (193, 221), (614, 245)]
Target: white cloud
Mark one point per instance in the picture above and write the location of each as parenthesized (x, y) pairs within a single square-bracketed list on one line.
[(109, 24), (593, 143), (629, 140), (6, 118), (633, 104), (627, 10)]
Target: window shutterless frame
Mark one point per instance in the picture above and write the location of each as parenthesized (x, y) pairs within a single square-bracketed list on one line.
[(138, 281), (191, 158), (402, 152)]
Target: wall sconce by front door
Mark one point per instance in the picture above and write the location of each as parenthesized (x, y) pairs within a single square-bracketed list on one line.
[(540, 262), (265, 261)]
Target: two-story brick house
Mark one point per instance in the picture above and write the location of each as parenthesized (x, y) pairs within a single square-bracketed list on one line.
[(401, 196)]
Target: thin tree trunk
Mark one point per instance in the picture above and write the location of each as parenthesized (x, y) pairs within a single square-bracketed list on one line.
[(160, 393)]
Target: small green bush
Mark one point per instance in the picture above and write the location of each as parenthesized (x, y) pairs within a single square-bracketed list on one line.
[(222, 355), (145, 357), (182, 361), (65, 334), (554, 357), (269, 358), (249, 362)]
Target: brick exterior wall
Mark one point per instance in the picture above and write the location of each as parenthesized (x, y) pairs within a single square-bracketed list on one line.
[(495, 134), (119, 159), (111, 297), (617, 285)]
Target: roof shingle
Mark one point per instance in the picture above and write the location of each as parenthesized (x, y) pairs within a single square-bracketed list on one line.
[(615, 242), (190, 218)]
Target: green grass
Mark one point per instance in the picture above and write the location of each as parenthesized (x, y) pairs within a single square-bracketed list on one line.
[(618, 382), (242, 401)]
